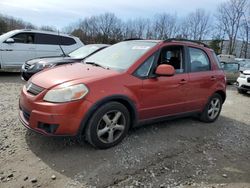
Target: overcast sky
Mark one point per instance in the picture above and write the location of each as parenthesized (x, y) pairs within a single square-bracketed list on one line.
[(60, 13)]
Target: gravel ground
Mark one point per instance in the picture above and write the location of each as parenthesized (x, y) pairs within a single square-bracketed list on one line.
[(178, 153)]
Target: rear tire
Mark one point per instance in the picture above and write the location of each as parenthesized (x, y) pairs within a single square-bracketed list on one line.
[(212, 109), (108, 125)]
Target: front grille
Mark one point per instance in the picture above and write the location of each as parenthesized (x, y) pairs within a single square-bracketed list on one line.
[(26, 114), (245, 87), (33, 89)]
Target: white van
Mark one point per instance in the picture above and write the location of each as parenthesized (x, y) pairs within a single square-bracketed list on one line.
[(18, 46)]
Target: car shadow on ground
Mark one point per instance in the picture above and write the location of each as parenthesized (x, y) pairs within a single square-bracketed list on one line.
[(179, 139), (234, 88), (11, 77)]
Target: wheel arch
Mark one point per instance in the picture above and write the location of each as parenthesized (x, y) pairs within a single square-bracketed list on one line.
[(126, 101), (222, 94)]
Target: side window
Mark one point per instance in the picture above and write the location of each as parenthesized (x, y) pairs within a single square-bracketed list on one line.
[(47, 39), (173, 55), (144, 69), (25, 38), (199, 60), (67, 41)]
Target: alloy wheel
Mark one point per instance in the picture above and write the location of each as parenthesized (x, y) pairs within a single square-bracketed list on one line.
[(214, 108), (111, 126)]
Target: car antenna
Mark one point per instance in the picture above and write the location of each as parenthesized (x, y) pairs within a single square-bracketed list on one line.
[(60, 43)]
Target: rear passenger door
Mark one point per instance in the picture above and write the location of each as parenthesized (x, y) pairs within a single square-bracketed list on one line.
[(202, 78), (47, 45)]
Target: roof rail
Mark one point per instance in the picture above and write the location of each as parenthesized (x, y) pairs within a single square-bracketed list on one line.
[(186, 40), (132, 39)]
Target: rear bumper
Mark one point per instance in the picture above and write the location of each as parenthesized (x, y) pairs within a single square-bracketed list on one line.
[(62, 119)]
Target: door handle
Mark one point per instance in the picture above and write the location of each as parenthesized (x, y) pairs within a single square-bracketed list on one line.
[(213, 78), (183, 81)]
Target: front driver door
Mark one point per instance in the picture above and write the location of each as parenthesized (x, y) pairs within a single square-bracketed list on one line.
[(165, 95), (15, 54)]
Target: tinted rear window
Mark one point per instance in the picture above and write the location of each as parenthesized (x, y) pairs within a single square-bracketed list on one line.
[(67, 41), (53, 39)]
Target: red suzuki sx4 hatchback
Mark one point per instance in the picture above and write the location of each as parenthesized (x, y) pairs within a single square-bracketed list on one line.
[(130, 83)]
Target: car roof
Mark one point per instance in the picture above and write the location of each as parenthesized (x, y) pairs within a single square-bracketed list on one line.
[(42, 32), (174, 40), (143, 40)]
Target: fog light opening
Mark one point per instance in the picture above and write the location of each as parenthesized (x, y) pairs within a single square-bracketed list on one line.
[(49, 128)]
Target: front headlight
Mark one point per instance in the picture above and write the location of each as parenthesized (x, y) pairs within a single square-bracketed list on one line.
[(66, 94), (43, 65)]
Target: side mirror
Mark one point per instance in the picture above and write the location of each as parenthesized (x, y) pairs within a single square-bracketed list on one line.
[(165, 70), (10, 40)]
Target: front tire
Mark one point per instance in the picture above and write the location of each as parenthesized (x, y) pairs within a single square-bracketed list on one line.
[(108, 125), (212, 109)]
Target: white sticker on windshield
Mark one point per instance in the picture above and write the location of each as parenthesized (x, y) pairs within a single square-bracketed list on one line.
[(140, 47)]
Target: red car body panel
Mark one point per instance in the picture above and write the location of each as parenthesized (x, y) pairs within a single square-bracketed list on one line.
[(152, 98)]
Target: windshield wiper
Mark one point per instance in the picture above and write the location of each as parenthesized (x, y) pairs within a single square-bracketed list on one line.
[(96, 64)]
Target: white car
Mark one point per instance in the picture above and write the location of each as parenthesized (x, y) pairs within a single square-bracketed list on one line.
[(19, 46), (243, 82)]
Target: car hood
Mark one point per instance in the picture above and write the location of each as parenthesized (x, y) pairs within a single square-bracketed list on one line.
[(53, 60), (70, 72)]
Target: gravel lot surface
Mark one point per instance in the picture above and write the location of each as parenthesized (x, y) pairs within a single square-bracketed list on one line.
[(177, 153)]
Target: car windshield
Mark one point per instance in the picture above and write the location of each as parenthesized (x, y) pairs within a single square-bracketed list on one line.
[(84, 51), (5, 36), (121, 55)]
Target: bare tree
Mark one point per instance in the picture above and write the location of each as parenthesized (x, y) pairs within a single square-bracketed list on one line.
[(164, 26), (136, 28), (245, 32), (8, 23), (108, 26), (48, 28), (196, 25), (229, 17)]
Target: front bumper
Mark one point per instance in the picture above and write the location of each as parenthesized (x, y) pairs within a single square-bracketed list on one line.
[(51, 119), (243, 83)]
